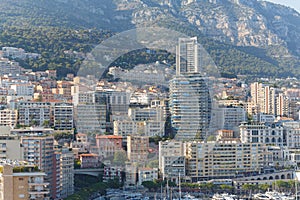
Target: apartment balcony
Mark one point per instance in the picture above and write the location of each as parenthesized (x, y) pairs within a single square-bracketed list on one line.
[(42, 197), (38, 192), (2, 148), (37, 183)]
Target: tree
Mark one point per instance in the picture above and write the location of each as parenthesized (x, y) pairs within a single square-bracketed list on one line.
[(190, 185), (46, 123), (150, 185), (281, 185), (227, 188), (155, 139), (264, 187), (211, 138), (63, 135), (153, 164), (77, 164), (115, 183), (120, 158), (208, 187), (249, 188)]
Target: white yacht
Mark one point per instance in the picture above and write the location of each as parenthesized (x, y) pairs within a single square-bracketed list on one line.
[(224, 196), (260, 196)]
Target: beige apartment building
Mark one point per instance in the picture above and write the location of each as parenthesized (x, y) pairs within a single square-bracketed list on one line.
[(224, 159), (137, 149), (27, 183), (10, 147)]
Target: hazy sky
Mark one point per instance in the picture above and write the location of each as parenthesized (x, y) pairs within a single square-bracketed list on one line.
[(291, 3)]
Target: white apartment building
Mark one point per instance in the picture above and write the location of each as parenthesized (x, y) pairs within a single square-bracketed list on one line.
[(265, 133), (8, 117), (23, 89), (147, 174), (63, 116), (142, 128), (34, 113), (260, 117), (90, 118), (146, 114), (233, 117), (126, 128), (82, 95), (292, 134), (8, 67), (282, 105), (172, 158)]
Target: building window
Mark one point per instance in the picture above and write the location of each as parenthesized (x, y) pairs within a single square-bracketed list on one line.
[(255, 139), (254, 132)]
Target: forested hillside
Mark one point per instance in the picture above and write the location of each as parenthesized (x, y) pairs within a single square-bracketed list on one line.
[(51, 28)]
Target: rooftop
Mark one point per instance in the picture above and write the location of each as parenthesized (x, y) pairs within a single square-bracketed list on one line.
[(108, 137)]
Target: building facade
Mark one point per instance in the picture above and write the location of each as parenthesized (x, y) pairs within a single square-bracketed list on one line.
[(63, 174), (224, 159), (190, 106), (63, 116), (34, 113), (266, 133), (8, 117), (190, 102), (23, 185), (137, 149), (90, 118), (39, 150)]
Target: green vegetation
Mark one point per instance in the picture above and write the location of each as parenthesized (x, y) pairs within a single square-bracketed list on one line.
[(279, 185), (18, 169), (143, 56), (232, 60), (86, 192), (284, 186), (156, 184), (156, 139), (207, 187), (87, 14), (77, 164), (89, 185), (120, 157), (52, 27), (264, 187), (51, 42), (63, 135), (211, 138), (153, 164)]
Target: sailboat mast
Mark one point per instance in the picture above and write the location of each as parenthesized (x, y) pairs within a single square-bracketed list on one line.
[(179, 183)]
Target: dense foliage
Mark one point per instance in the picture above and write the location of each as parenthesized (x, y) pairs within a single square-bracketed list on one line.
[(234, 60), (52, 27), (51, 43)]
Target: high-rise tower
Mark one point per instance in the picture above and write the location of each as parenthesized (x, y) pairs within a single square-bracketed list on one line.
[(187, 55), (190, 102)]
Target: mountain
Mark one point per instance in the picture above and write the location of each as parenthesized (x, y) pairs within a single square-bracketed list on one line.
[(242, 36)]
